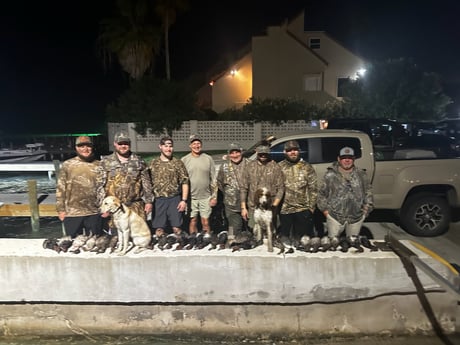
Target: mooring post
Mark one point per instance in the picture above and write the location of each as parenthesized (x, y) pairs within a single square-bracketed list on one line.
[(57, 167), (33, 204)]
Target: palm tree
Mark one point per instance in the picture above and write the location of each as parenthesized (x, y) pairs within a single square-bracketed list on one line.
[(131, 36), (167, 10)]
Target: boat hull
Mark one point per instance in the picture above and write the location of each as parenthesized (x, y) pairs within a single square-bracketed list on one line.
[(22, 159)]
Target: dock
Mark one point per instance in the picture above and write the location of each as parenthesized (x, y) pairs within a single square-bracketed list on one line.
[(31, 204), (18, 205), (49, 167)]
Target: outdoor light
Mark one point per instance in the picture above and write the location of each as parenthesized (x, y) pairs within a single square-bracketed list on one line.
[(233, 72), (361, 72)]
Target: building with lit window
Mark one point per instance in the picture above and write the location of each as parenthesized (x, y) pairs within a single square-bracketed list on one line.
[(286, 62)]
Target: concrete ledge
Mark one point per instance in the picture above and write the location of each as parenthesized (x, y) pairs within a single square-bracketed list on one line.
[(213, 292), (383, 315), (31, 273)]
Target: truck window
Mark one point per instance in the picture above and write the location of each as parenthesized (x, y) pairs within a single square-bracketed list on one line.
[(326, 150)]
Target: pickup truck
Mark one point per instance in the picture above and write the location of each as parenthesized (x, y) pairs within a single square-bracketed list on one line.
[(421, 188)]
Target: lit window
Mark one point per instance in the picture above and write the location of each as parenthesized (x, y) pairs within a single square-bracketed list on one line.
[(315, 43), (313, 82)]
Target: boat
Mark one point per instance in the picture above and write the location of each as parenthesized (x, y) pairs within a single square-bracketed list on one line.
[(30, 153)]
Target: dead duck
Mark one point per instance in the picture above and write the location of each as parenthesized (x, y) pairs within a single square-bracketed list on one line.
[(243, 240)]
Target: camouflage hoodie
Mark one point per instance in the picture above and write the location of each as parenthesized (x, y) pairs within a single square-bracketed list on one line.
[(258, 175), (80, 187), (345, 199), (229, 179), (301, 186), (130, 182)]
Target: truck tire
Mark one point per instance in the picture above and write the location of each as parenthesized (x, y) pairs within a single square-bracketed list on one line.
[(425, 215)]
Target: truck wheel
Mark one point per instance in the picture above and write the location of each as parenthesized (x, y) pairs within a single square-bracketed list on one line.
[(426, 216)]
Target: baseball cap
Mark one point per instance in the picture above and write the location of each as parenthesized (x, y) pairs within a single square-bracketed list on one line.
[(346, 151), (262, 149), (194, 137), (165, 139), (83, 140), (291, 144), (234, 147), (121, 137)]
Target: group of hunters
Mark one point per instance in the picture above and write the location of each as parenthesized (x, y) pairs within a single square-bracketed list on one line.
[(170, 189)]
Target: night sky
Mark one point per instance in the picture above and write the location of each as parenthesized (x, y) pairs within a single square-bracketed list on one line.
[(52, 80)]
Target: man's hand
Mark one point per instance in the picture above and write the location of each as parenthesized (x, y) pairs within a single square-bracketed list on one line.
[(212, 202), (244, 213), (182, 206), (148, 208), (61, 216)]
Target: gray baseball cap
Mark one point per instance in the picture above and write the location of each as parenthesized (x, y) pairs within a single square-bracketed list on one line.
[(346, 151)]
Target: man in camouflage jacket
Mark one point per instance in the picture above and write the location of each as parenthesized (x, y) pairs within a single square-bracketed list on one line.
[(170, 182), (262, 172), (345, 196), (301, 192), (128, 177), (229, 179), (80, 191)]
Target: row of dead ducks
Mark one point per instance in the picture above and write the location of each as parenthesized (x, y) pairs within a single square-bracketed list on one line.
[(183, 241)]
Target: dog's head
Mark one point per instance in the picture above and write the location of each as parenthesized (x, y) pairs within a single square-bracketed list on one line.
[(263, 198), (110, 204)]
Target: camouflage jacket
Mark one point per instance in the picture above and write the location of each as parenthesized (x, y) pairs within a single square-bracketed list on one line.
[(345, 199), (301, 187), (168, 177), (258, 175), (130, 182), (80, 187), (229, 179)]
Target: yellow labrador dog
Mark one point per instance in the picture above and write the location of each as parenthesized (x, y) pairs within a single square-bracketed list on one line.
[(129, 225)]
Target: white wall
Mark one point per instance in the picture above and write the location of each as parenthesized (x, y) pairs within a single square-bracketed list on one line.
[(216, 135)]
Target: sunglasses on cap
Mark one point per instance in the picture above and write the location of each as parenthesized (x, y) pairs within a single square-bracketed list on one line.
[(347, 157), (124, 143)]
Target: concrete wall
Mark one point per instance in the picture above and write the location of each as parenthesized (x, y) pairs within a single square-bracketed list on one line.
[(216, 135), (215, 292)]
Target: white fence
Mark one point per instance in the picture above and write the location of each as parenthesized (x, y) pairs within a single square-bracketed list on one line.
[(216, 135)]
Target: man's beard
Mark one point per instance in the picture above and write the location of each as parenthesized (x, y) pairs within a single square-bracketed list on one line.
[(125, 155), (293, 160), (263, 162), (168, 156), (87, 159)]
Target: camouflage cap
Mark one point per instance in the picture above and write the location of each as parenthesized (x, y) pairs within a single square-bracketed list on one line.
[(263, 149), (121, 137), (83, 140), (164, 140), (291, 144), (194, 137), (234, 147)]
